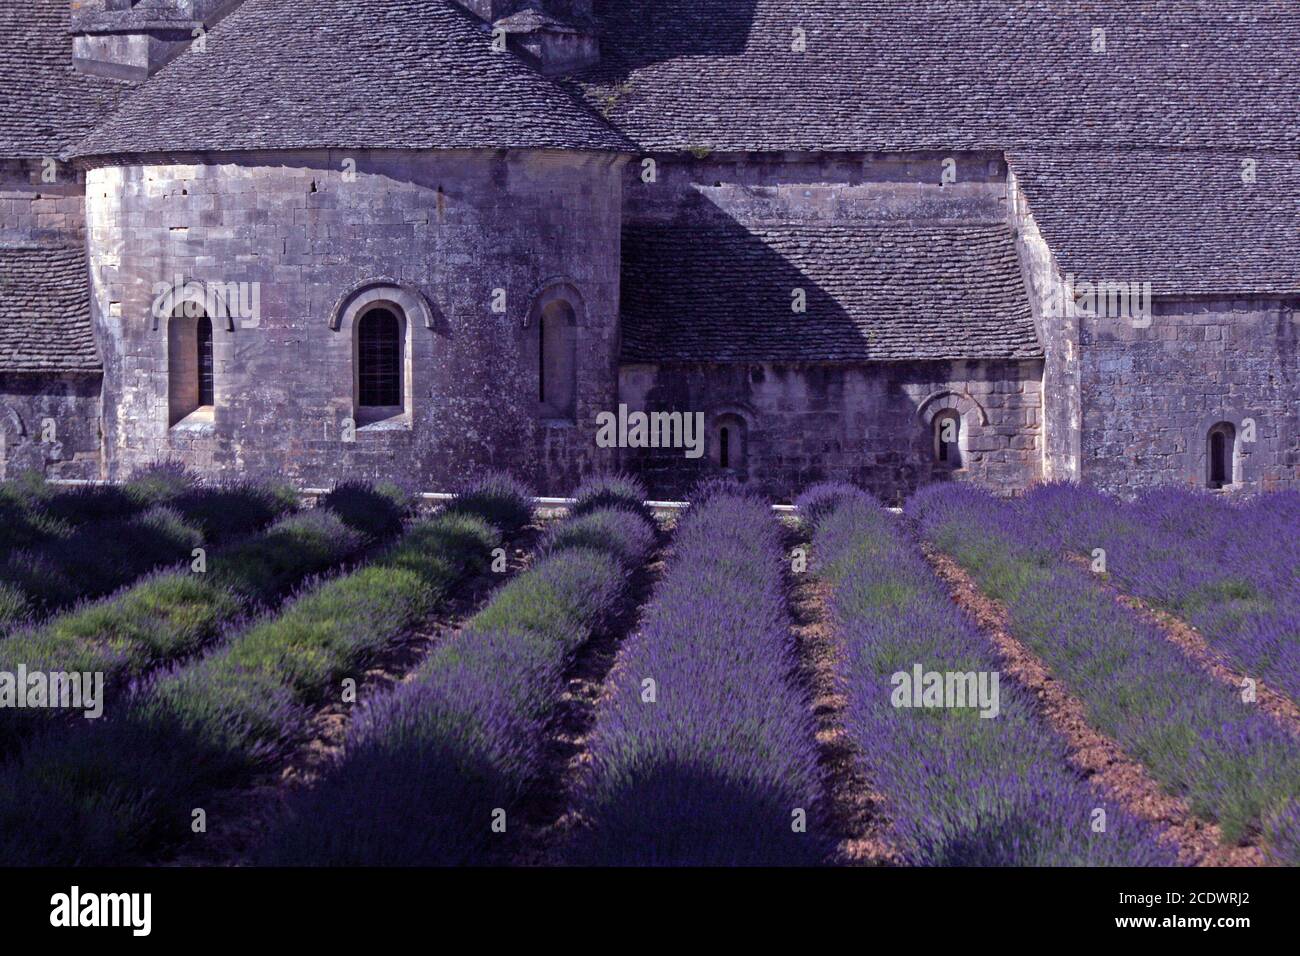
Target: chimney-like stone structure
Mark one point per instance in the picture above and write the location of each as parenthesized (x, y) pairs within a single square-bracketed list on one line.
[(133, 39), (555, 36)]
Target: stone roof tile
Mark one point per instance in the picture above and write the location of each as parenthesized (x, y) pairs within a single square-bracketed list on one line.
[(45, 310), (349, 74)]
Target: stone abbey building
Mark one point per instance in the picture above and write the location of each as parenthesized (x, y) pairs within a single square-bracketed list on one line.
[(890, 241)]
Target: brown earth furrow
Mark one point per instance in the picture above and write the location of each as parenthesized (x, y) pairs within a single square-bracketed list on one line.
[(548, 814), (239, 819), (1096, 755), (1191, 642), (855, 812)]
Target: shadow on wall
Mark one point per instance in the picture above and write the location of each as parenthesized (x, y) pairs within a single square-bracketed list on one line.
[(713, 289)]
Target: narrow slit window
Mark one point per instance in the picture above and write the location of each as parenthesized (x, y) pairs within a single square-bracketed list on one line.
[(724, 449), (207, 382)]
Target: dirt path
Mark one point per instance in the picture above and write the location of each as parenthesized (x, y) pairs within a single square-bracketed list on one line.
[(547, 815), (1191, 642), (238, 819), (1098, 757), (854, 811)]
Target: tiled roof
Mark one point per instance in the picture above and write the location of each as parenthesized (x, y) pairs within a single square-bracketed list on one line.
[(949, 74), (45, 104), (1188, 223), (45, 310), (349, 74), (883, 293)]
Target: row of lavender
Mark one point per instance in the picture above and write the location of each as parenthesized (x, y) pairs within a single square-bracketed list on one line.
[(978, 781), (1230, 569), (703, 752), (1198, 738), (435, 772), (124, 788)]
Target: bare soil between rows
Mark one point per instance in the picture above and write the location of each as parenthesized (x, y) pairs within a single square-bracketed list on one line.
[(1099, 758), (854, 812), (548, 814)]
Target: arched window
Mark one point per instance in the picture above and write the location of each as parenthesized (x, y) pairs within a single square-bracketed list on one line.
[(557, 366), (1221, 444), (728, 440), (191, 369), (207, 383), (947, 439), (379, 360)]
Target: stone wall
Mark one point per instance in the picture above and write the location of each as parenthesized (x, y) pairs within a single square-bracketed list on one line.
[(32, 209), (50, 423), (1151, 395), (840, 188), (471, 239), (869, 424), (1058, 330)]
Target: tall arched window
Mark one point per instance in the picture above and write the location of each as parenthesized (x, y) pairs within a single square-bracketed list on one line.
[(947, 439), (1221, 443), (207, 383), (557, 365), (191, 369), (379, 360)]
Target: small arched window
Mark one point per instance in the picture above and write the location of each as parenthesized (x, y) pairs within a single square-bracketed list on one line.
[(947, 439), (379, 360), (1220, 449), (727, 443), (557, 365)]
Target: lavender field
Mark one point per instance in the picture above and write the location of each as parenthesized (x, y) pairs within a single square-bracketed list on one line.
[(226, 675)]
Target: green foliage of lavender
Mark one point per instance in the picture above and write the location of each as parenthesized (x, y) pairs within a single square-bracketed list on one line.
[(428, 765), (717, 768), (1195, 735), (961, 789), (123, 788)]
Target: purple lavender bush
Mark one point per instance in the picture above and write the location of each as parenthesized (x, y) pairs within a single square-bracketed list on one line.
[(376, 510), (499, 499), (617, 491), (1230, 570), (626, 535), (819, 500), (961, 789), (1198, 739), (716, 770)]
